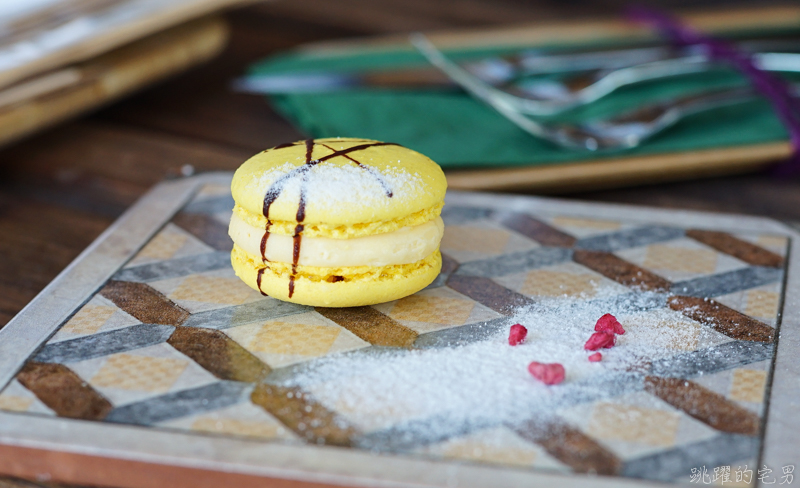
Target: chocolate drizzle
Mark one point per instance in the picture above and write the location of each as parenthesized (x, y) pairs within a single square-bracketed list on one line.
[(275, 190), (264, 242), (258, 280)]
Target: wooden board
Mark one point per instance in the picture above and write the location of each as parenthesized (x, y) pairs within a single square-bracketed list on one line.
[(119, 22), (605, 172), (147, 363), (51, 98)]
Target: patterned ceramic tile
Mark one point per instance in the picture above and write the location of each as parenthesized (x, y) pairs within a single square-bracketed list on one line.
[(171, 242), (293, 339), (748, 385), (480, 240), (141, 373), (241, 420), (776, 244), (584, 227), (98, 315), (700, 261), (89, 319), (499, 446), (634, 424), (436, 309), (164, 245), (566, 280), (667, 330), (637, 424), (17, 398), (470, 238), (206, 291), (175, 341), (681, 259), (212, 289), (760, 303), (745, 385)]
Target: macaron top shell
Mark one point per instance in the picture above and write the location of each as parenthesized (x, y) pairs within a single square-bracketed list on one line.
[(341, 181)]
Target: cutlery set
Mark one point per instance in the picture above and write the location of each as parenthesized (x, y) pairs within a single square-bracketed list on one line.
[(532, 88)]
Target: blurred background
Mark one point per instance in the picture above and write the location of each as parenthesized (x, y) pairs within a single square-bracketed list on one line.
[(101, 99)]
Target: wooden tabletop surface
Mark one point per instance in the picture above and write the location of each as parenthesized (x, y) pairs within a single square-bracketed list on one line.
[(60, 189)]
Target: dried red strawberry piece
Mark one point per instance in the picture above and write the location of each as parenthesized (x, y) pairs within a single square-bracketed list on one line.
[(609, 323), (596, 357), (600, 340), (549, 374), (517, 334)]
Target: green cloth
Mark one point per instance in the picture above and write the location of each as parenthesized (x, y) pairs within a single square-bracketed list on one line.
[(456, 130)]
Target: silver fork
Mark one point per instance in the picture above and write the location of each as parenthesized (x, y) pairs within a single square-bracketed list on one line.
[(543, 98), (622, 132)]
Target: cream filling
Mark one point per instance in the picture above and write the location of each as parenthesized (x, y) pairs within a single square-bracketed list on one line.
[(403, 246)]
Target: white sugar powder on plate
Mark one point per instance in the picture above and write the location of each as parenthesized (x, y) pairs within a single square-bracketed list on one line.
[(487, 381)]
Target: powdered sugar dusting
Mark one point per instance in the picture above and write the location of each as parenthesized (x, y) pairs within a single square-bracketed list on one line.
[(330, 185), (487, 382)]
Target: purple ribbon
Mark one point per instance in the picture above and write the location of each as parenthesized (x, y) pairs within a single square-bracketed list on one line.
[(779, 93)]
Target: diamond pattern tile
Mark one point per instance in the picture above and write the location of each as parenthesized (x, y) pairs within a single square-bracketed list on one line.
[(678, 259), (747, 385), (762, 303), (13, 403), (208, 355), (554, 283), (89, 319), (212, 289), (301, 339), (437, 310), (634, 424), (164, 245), (142, 373), (474, 239)]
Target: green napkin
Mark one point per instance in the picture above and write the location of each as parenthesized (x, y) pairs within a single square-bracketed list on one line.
[(459, 132)]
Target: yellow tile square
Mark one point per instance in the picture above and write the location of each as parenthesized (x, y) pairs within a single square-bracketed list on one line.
[(163, 246), (15, 403), (474, 450), (236, 427), (296, 339), (633, 424), (772, 241), (476, 239), (549, 283), (747, 385), (586, 223), (436, 310), (762, 303), (139, 373), (212, 289), (89, 319), (680, 259)]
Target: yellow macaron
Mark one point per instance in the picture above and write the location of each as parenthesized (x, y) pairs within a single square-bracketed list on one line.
[(337, 222)]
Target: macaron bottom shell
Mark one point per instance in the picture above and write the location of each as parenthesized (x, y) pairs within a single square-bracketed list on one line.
[(322, 287)]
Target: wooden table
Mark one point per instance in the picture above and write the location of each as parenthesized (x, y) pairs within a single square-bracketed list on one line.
[(59, 190)]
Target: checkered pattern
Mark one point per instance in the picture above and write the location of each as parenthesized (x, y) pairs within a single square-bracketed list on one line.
[(176, 341)]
